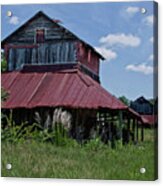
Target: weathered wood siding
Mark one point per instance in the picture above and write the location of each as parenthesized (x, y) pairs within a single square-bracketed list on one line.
[(87, 57), (142, 108), (59, 46), (47, 53), (52, 31)]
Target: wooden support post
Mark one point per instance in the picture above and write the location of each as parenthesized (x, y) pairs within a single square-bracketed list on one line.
[(104, 118), (111, 131), (75, 123), (128, 130), (99, 118), (142, 132), (120, 123), (137, 131), (133, 130)]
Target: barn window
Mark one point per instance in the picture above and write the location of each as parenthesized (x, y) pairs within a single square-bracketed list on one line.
[(40, 36)]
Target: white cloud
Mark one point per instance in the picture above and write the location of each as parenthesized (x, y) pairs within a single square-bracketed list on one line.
[(151, 57), (142, 68), (131, 10), (14, 20), (107, 53), (151, 39), (149, 20), (120, 39)]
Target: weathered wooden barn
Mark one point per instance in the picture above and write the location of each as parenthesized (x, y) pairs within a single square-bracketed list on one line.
[(142, 106), (50, 67), (147, 110)]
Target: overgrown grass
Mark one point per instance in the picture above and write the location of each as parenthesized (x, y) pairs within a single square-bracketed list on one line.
[(33, 159)]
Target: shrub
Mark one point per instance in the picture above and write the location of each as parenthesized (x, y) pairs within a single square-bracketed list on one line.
[(54, 131)]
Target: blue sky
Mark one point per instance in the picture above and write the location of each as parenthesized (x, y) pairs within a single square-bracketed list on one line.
[(119, 31)]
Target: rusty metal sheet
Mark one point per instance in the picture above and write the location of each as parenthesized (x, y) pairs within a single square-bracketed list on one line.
[(72, 89)]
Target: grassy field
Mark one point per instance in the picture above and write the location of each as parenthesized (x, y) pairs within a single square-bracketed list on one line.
[(47, 160)]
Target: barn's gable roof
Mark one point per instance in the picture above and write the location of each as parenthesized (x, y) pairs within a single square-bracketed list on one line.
[(67, 88), (40, 13), (142, 100)]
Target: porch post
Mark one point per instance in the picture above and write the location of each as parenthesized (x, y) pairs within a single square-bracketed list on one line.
[(133, 129), (137, 131), (142, 132), (120, 123), (128, 129)]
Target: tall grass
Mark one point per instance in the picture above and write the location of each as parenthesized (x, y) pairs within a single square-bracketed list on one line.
[(34, 151), (37, 159)]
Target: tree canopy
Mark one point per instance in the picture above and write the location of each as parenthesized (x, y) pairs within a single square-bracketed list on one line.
[(125, 100)]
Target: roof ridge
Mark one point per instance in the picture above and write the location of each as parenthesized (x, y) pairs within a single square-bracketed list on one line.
[(83, 78), (37, 87)]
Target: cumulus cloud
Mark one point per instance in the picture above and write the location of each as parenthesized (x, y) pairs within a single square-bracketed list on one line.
[(142, 68), (131, 10), (151, 39), (120, 39), (149, 20), (14, 20), (107, 53), (151, 57)]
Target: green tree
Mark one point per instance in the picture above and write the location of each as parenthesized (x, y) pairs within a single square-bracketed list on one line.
[(3, 62), (124, 100), (4, 95)]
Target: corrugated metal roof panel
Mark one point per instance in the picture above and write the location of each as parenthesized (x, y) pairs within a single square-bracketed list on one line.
[(149, 119), (68, 88)]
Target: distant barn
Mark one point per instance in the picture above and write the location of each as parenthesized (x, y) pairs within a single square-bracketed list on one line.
[(146, 109), (49, 67)]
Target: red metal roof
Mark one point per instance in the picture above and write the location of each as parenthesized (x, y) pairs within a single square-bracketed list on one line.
[(149, 119), (67, 88), (136, 114)]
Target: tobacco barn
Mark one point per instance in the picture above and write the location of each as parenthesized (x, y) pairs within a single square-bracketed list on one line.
[(147, 111), (49, 67)]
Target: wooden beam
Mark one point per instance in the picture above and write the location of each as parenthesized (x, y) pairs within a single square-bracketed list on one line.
[(23, 46)]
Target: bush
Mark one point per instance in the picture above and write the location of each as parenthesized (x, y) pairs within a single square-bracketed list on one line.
[(95, 144), (56, 134), (3, 65)]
